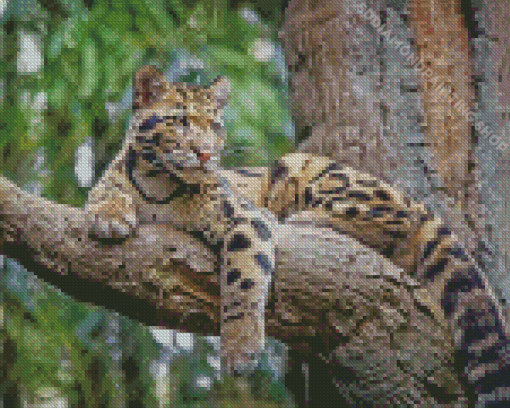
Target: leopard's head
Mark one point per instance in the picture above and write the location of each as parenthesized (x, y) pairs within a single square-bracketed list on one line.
[(177, 128)]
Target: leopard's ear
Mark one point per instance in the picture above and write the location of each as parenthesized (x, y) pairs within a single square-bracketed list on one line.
[(149, 86), (220, 89)]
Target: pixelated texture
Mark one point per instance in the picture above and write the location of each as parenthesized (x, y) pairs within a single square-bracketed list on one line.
[(167, 172), (360, 100), (351, 99)]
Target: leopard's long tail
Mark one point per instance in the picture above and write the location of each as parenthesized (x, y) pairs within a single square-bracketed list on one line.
[(307, 187)]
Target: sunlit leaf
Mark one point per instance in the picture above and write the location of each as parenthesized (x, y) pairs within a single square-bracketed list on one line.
[(88, 70), (225, 56), (58, 96)]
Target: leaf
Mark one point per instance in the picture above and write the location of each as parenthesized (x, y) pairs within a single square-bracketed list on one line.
[(156, 14), (113, 77), (58, 95), (110, 37), (88, 70), (229, 57)]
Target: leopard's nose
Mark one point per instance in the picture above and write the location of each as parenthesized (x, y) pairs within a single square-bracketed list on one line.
[(204, 157)]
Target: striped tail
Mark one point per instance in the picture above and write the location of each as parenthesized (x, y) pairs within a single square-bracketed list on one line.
[(482, 345), (306, 187)]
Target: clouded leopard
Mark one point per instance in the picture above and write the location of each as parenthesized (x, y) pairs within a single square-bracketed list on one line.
[(305, 188), (167, 172)]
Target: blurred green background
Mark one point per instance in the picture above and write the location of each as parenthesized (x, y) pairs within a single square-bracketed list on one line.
[(65, 100)]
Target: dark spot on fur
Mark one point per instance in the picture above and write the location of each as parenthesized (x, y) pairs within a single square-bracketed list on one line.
[(265, 263), (352, 211), (234, 317), (247, 284), (333, 166), (153, 173), (459, 253), (156, 139), (426, 217), (380, 211), (397, 234), (360, 195), (149, 124), (394, 222), (233, 275), (367, 183), (433, 270), (317, 202), (336, 190), (382, 195), (184, 121), (339, 176), (477, 326), (262, 229), (389, 250), (444, 231), (463, 280), (228, 209), (238, 243), (278, 171), (492, 379), (150, 156), (308, 196), (431, 245), (429, 248)]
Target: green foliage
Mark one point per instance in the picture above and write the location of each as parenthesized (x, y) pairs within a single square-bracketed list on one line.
[(60, 343), (91, 57), (90, 52), (44, 343), (185, 389)]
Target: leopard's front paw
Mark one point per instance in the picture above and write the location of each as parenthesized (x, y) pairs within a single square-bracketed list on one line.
[(106, 223), (241, 345), (239, 363)]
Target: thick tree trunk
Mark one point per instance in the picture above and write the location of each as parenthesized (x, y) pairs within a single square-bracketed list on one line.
[(492, 70), (359, 99)]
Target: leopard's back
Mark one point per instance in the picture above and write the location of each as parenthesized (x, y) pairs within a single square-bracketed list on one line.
[(304, 188)]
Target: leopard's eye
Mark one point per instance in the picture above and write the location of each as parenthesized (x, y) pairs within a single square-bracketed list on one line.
[(181, 120)]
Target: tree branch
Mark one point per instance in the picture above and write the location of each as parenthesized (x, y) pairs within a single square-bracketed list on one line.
[(331, 297)]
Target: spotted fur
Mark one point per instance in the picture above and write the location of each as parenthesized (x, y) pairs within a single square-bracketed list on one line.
[(167, 172), (304, 188)]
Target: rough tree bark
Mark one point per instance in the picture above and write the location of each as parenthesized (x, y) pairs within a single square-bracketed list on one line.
[(333, 299), (363, 328), (493, 71), (358, 99), (353, 90)]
